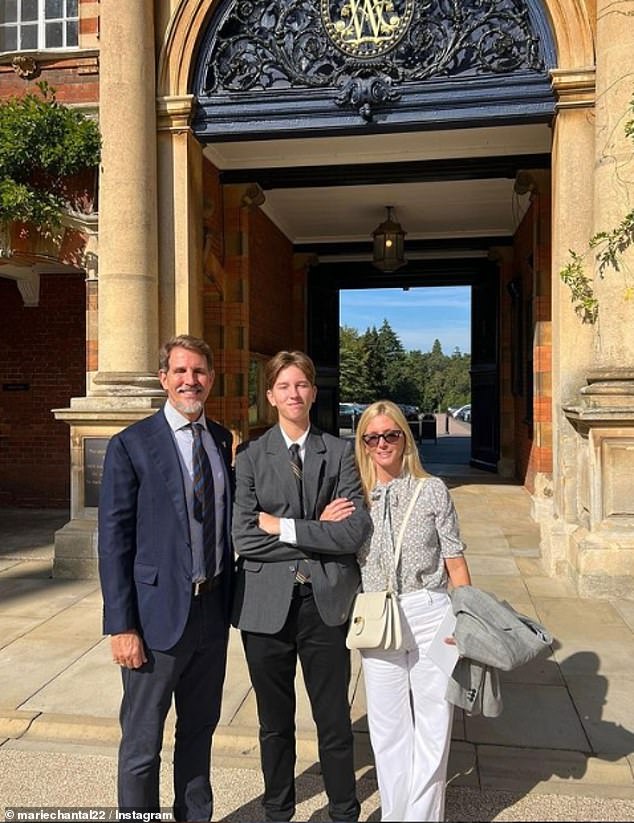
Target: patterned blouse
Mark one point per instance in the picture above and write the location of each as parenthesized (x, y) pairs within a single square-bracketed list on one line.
[(431, 535)]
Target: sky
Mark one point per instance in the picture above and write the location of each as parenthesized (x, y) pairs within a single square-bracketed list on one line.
[(418, 316)]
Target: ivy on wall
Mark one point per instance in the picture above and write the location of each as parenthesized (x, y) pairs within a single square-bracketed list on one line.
[(608, 247), (42, 144)]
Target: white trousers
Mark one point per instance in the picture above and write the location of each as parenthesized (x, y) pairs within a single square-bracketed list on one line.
[(408, 717)]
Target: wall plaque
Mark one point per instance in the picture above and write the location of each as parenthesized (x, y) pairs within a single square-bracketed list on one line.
[(94, 454)]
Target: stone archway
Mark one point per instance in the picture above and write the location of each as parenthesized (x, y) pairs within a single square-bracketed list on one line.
[(572, 30), (571, 504)]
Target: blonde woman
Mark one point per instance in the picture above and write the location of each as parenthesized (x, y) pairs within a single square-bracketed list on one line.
[(408, 717)]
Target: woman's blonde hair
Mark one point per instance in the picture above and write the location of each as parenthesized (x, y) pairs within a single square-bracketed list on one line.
[(365, 464)]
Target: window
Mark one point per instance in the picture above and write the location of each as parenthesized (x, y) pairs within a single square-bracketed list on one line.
[(38, 24)]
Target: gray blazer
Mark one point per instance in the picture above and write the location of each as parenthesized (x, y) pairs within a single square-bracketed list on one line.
[(490, 636), (266, 566), (492, 632)]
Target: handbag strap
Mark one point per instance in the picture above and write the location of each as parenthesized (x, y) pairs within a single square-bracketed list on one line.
[(408, 511)]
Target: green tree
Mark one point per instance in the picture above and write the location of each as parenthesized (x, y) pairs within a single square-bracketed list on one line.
[(42, 143), (436, 371), (418, 370), (353, 357), (458, 380), (398, 385), (387, 375), (375, 365)]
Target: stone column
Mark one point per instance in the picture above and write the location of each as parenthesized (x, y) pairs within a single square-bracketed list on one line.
[(180, 209), (613, 184), (125, 387), (128, 259), (602, 414), (572, 194)]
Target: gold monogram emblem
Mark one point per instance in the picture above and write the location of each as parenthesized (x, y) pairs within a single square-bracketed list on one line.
[(366, 28)]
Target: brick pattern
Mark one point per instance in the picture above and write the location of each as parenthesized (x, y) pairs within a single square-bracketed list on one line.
[(42, 347), (533, 438), (92, 325), (271, 313), (75, 78), (45, 346), (253, 294), (88, 24)]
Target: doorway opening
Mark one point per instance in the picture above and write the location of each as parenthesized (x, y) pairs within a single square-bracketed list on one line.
[(411, 345), (479, 277)]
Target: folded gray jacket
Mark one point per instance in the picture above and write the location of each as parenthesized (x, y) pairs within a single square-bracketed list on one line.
[(490, 636)]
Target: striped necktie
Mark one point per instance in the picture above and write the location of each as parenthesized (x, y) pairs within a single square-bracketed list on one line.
[(302, 571), (204, 498), (298, 471)]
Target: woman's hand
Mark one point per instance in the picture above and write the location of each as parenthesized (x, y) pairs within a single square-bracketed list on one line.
[(338, 509)]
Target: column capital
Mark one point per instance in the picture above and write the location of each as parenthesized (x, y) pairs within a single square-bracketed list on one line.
[(575, 88), (174, 112)]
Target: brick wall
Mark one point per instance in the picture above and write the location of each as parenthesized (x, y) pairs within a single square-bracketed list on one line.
[(533, 418), (88, 24), (43, 347), (75, 78), (271, 286), (524, 425)]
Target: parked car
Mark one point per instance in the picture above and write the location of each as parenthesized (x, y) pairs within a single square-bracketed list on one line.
[(349, 413), (463, 413), (410, 412), (454, 411)]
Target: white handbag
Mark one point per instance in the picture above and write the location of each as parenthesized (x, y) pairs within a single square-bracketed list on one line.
[(376, 620)]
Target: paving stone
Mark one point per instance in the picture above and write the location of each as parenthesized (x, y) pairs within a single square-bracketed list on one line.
[(537, 716), (484, 565), (564, 772), (605, 709), (557, 709)]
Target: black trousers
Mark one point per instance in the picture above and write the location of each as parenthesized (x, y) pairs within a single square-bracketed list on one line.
[(193, 672), (325, 661)]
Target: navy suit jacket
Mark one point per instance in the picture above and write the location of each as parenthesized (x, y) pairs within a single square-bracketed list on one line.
[(145, 556)]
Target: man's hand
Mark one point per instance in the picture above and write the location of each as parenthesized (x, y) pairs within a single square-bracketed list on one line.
[(338, 509), (128, 650), (268, 523)]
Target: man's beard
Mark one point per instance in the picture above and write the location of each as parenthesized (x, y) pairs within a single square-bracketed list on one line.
[(189, 406)]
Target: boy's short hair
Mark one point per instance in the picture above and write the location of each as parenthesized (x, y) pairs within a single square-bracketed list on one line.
[(282, 360)]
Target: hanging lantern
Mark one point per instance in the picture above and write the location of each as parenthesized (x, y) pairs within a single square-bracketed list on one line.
[(389, 241)]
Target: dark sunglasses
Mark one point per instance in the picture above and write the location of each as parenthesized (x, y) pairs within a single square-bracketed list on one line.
[(391, 437)]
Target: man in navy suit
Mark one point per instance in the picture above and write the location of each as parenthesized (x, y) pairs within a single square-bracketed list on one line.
[(165, 565)]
